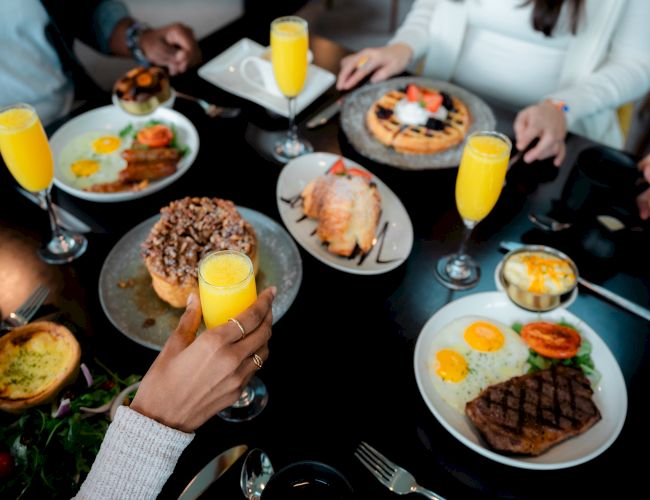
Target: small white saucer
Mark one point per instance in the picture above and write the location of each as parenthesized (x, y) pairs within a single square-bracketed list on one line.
[(499, 286), (224, 72)]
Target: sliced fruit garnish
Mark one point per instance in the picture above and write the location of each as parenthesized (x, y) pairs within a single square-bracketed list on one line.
[(432, 101), (413, 93), (360, 173), (338, 168)]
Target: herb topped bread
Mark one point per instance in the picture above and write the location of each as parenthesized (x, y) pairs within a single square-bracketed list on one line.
[(36, 361)]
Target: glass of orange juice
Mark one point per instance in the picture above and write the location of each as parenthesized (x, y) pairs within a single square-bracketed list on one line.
[(27, 154), (289, 53), (479, 182), (227, 288)]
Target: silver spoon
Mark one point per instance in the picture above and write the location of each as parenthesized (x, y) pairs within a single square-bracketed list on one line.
[(548, 223), (212, 110), (255, 473)]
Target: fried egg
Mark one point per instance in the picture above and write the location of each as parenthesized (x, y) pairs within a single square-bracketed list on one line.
[(472, 353), (92, 158)]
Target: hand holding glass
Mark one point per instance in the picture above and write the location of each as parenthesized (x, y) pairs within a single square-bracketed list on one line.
[(27, 153), (479, 182), (227, 288), (289, 53)]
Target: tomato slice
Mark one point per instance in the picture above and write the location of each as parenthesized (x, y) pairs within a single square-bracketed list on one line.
[(338, 168), (156, 136), (551, 340), (413, 93), (6, 464), (360, 173)]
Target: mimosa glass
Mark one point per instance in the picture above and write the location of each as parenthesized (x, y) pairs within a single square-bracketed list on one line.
[(289, 53), (479, 182), (227, 288), (27, 154)]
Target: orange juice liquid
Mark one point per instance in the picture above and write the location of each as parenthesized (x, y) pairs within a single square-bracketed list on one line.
[(289, 46), (226, 286), (25, 149), (480, 175)]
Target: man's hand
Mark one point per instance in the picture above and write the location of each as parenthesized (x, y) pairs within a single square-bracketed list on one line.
[(172, 46)]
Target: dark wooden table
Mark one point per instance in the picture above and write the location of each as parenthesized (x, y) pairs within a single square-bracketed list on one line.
[(341, 365)]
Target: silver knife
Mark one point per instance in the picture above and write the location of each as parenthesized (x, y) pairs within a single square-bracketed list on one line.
[(64, 218), (211, 472), (596, 289), (322, 117)]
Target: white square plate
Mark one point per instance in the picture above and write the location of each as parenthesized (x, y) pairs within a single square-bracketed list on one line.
[(223, 71)]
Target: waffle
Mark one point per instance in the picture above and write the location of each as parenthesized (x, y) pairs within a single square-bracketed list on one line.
[(434, 137)]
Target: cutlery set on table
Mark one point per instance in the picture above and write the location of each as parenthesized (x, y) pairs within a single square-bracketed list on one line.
[(307, 480)]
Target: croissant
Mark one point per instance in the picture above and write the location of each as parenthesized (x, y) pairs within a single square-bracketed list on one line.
[(347, 209)]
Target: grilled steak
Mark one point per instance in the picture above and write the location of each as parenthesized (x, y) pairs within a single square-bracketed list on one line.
[(531, 413)]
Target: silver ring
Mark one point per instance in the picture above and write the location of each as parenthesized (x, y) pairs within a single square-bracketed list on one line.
[(258, 361), (239, 325)]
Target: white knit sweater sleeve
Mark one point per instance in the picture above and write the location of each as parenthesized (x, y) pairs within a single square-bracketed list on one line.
[(414, 31), (137, 456), (625, 73)]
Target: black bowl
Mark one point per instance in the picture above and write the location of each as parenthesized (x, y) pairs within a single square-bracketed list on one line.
[(308, 481)]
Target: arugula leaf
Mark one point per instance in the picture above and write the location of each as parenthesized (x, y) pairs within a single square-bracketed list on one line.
[(126, 131), (517, 327), (53, 455)]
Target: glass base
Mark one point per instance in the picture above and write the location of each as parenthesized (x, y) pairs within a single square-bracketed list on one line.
[(458, 272), (250, 404), (63, 248), (286, 150)]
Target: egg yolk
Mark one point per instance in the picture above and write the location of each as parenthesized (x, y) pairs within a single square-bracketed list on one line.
[(484, 337), (84, 168), (451, 366), (106, 144)]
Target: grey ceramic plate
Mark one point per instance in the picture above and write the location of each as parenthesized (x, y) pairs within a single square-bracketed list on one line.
[(129, 301), (353, 121)]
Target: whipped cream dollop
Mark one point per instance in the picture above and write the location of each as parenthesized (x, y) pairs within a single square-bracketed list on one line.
[(413, 113)]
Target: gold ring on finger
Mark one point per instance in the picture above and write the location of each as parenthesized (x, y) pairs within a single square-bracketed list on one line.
[(363, 60), (258, 361), (239, 325)]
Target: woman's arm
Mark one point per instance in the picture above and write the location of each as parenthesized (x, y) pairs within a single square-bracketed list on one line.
[(414, 31), (625, 73)]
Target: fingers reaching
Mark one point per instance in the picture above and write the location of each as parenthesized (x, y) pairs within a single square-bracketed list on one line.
[(185, 332)]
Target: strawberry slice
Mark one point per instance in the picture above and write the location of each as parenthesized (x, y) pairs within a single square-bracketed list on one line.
[(413, 93), (338, 168), (432, 101), (360, 173)]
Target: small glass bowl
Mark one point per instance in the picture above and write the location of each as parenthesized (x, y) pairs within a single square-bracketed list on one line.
[(534, 301)]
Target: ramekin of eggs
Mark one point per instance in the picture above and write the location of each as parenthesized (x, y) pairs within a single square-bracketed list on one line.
[(538, 278)]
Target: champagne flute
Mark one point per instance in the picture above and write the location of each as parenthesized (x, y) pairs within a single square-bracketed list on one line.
[(227, 288), (27, 154), (289, 47), (479, 182)]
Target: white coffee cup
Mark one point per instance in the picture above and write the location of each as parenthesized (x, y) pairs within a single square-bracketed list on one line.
[(258, 72)]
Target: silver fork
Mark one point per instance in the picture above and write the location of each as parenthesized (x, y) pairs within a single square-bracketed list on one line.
[(212, 110), (27, 309), (394, 477)]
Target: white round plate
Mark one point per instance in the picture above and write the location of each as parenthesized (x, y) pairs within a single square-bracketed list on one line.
[(497, 282), (112, 120), (610, 396), (394, 231)]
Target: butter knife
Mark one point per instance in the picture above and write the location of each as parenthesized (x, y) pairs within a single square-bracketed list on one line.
[(596, 289), (211, 472), (323, 116), (64, 218)]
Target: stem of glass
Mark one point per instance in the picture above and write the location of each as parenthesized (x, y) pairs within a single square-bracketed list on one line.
[(54, 225), (292, 133), (467, 230)]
